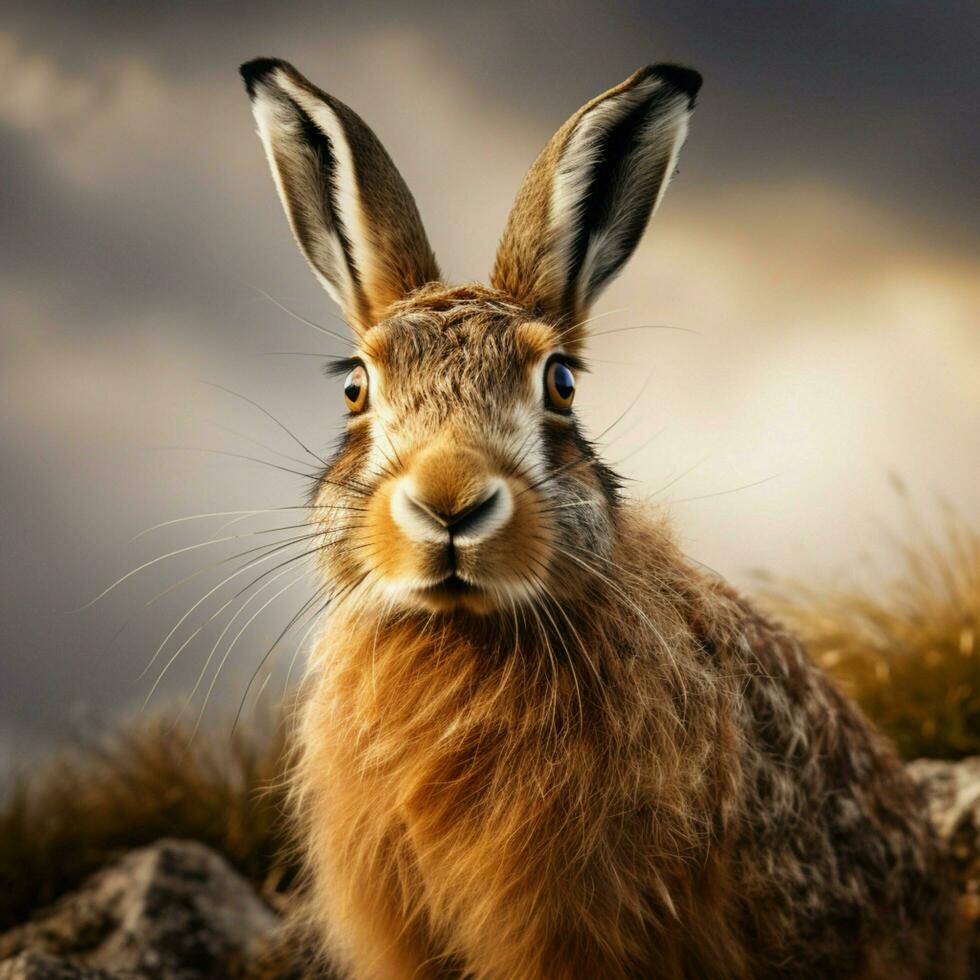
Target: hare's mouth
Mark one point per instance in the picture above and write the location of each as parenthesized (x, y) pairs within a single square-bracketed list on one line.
[(452, 585), (450, 592)]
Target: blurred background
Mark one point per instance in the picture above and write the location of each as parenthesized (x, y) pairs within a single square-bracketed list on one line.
[(817, 255)]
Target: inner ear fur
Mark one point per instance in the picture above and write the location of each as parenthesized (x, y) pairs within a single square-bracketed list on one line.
[(586, 200), (349, 209)]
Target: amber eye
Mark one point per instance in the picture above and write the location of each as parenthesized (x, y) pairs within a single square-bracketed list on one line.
[(559, 384), (356, 389)]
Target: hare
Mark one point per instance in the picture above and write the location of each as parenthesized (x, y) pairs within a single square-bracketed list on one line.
[(537, 741)]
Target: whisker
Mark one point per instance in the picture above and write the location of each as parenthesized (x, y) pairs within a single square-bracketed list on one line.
[(299, 442), (523, 451), (391, 445), (250, 564), (349, 488), (584, 323), (255, 442), (346, 341), (262, 687), (273, 547), (231, 646), (311, 551), (227, 627), (690, 469), (314, 620), (722, 493), (173, 658), (646, 326), (154, 561), (296, 652), (570, 465), (628, 409), (578, 503), (643, 445), (292, 622), (223, 452), (296, 353), (230, 513), (224, 525)]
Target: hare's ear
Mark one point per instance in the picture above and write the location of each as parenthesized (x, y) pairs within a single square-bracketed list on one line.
[(350, 211), (587, 198)]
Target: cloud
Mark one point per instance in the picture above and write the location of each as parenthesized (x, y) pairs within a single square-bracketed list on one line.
[(831, 348), (38, 95), (118, 105)]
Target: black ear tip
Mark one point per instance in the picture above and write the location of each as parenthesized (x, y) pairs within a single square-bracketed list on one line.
[(254, 71), (685, 80)]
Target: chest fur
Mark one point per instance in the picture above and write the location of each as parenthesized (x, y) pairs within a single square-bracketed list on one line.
[(468, 770)]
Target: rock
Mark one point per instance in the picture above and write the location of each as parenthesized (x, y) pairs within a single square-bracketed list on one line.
[(175, 910), (40, 966), (952, 791)]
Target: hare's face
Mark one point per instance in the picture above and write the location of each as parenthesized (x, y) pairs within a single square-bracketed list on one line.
[(463, 479)]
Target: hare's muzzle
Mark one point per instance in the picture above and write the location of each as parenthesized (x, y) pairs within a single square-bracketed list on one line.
[(453, 513), (456, 529), (466, 522), (462, 519)]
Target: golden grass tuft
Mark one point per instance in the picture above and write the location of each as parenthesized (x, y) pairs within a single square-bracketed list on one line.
[(908, 648), (149, 780)]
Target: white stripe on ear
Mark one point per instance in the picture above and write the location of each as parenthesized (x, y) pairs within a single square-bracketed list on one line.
[(347, 198), (646, 169), (586, 200), (349, 209), (281, 138)]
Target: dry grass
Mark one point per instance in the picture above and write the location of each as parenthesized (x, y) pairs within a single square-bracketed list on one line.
[(148, 781), (907, 648)]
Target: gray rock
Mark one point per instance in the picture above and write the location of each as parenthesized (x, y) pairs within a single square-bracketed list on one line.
[(41, 966), (953, 793), (175, 910)]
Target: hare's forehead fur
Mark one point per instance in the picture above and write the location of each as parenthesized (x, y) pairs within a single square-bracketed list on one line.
[(466, 355)]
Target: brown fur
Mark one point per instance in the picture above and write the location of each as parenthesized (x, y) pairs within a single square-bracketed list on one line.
[(546, 745), (519, 270), (610, 812), (396, 257)]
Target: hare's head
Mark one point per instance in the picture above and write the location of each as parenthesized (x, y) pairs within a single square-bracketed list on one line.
[(464, 479)]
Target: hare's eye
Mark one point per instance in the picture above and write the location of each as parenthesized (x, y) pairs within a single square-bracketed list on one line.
[(356, 389), (559, 386)]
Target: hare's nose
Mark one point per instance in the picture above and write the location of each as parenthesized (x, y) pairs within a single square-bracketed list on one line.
[(463, 521)]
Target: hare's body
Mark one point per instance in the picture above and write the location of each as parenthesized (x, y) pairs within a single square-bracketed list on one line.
[(697, 801), (538, 744)]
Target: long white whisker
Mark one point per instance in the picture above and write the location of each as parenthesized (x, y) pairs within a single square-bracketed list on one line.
[(299, 646), (183, 646), (154, 561), (248, 565), (722, 493), (346, 341), (265, 657), (235, 513), (231, 646)]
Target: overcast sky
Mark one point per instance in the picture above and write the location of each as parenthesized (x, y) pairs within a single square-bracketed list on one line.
[(819, 249)]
